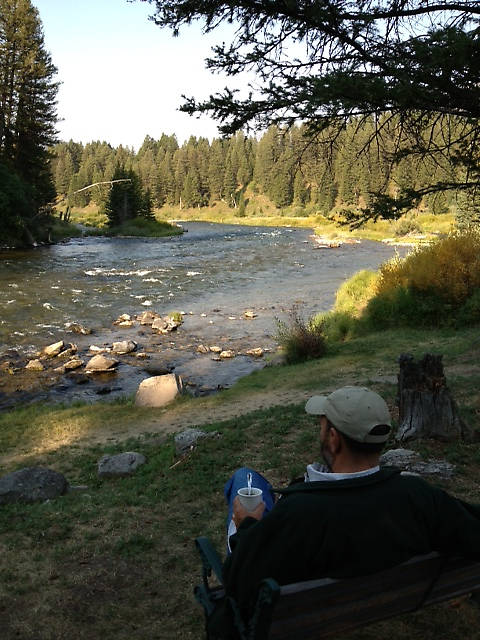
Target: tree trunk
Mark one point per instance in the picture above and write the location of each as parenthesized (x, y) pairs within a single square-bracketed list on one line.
[(426, 408)]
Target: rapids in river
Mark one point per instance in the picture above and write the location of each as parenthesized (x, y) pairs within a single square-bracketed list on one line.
[(212, 273)]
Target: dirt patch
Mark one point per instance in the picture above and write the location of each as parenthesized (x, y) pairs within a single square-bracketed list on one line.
[(176, 418)]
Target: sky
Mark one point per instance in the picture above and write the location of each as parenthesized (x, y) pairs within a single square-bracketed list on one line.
[(122, 76)]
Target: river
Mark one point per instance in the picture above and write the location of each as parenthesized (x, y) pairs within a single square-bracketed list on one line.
[(212, 273)]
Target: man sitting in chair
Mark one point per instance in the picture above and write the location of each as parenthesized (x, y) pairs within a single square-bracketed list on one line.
[(346, 518)]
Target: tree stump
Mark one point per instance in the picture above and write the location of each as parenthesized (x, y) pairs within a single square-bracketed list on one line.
[(426, 407)]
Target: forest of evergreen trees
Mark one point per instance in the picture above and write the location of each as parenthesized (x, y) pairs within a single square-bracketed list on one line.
[(282, 165)]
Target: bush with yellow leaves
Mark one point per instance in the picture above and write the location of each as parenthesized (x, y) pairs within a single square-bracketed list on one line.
[(450, 267), (435, 284)]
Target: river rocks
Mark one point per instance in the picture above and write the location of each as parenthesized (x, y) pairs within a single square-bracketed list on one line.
[(34, 365), (142, 355), (228, 353), (53, 349), (78, 377), (72, 364), (121, 465), (158, 390), (147, 317), (165, 325), (159, 324), (257, 352), (94, 349), (410, 462), (125, 320), (123, 347), (202, 349), (60, 370), (250, 314), (69, 351), (157, 369), (215, 349), (76, 327), (32, 484), (100, 364), (7, 367)]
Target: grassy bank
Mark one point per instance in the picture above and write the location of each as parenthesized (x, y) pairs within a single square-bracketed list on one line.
[(116, 560), (96, 223)]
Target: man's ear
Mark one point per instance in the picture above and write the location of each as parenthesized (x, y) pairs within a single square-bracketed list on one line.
[(335, 440)]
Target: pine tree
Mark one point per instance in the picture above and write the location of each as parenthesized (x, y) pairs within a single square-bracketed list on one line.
[(468, 210), (126, 199), (300, 190), (27, 104), (146, 210), (216, 168)]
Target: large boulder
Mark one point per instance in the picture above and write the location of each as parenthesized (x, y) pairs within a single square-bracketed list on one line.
[(32, 484), (120, 465), (100, 364), (158, 391)]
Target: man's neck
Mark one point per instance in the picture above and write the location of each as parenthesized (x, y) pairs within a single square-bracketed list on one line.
[(348, 465)]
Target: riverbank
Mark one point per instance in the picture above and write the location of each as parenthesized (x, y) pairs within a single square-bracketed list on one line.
[(412, 228), (95, 562)]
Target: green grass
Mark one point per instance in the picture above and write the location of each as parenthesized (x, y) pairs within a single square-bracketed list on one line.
[(62, 230), (97, 224), (117, 560), (140, 227)]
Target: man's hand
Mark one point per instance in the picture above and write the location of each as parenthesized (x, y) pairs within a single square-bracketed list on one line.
[(240, 513)]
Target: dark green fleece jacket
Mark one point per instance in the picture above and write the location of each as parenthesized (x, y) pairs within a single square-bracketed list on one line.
[(348, 528)]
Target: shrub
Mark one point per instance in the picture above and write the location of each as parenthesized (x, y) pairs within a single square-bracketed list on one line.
[(406, 306), (448, 268), (405, 225), (337, 326), (176, 316), (469, 313), (300, 340)]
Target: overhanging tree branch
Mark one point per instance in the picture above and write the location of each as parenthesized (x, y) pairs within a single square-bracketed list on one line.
[(322, 62)]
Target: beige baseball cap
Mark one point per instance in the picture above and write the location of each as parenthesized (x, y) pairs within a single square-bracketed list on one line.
[(354, 411)]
